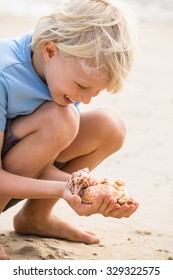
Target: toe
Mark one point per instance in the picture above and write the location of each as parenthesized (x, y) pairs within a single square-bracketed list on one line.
[(90, 238)]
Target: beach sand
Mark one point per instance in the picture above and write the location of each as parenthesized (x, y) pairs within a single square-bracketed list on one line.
[(144, 162)]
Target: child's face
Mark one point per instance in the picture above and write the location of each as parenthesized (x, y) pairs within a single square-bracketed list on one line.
[(68, 83)]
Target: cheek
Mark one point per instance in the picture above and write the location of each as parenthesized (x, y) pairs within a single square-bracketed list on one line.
[(51, 78), (59, 82)]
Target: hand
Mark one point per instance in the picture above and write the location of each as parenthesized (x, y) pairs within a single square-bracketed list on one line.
[(115, 210), (105, 205), (75, 203), (108, 207)]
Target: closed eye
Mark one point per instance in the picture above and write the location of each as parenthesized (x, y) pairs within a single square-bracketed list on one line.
[(80, 86)]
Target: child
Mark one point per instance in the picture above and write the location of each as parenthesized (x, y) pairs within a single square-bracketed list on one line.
[(83, 48)]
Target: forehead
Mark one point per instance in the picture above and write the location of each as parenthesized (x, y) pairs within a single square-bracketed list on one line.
[(88, 76)]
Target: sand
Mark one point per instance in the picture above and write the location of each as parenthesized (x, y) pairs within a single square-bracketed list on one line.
[(144, 162)]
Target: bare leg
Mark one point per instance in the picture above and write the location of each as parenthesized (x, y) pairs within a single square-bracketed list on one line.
[(44, 134), (95, 141)]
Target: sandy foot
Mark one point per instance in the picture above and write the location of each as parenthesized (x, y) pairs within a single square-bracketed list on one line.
[(53, 227)]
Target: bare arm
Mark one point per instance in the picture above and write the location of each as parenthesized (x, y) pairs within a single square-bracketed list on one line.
[(15, 186)]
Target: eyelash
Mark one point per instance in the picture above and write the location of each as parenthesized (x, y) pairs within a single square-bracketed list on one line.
[(80, 86)]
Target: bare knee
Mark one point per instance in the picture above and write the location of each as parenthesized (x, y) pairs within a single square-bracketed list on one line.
[(51, 128), (59, 124), (112, 130)]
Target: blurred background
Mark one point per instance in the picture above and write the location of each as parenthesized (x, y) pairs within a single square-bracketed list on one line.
[(32, 10), (144, 9)]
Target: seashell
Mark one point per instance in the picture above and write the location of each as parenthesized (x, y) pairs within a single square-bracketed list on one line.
[(89, 189), (90, 194)]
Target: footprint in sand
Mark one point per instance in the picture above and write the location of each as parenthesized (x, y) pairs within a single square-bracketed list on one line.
[(29, 240), (35, 253), (143, 232), (3, 234), (28, 250), (44, 253)]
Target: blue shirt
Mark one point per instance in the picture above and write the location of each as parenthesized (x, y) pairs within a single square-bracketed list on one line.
[(21, 89)]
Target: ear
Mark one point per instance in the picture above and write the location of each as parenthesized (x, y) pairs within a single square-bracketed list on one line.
[(49, 51)]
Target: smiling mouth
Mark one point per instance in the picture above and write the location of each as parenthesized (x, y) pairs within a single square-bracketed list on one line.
[(69, 99)]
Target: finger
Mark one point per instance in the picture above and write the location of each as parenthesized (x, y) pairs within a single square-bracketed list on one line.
[(97, 203), (125, 211), (111, 206), (131, 210), (120, 212), (73, 199), (85, 209), (104, 203)]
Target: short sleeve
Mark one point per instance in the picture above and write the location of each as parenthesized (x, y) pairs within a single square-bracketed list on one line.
[(3, 102), (77, 104)]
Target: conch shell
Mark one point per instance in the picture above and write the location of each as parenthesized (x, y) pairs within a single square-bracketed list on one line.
[(89, 188)]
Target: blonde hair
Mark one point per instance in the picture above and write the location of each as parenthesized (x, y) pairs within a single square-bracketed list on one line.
[(96, 33)]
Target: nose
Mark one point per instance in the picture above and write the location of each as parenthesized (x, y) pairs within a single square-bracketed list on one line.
[(86, 99), (87, 96)]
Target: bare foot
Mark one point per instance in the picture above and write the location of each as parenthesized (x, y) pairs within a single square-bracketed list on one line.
[(3, 255), (53, 227)]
